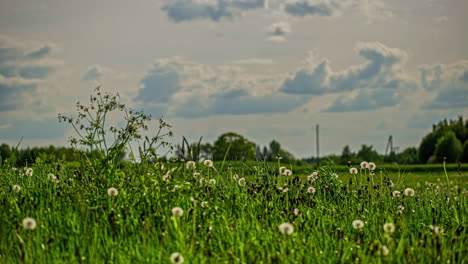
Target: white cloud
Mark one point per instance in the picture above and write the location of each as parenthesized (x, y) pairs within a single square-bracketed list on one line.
[(278, 31)]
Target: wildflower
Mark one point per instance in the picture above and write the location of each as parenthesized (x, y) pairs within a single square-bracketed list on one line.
[(177, 258), (311, 178), (208, 163), (204, 204), (50, 176), (202, 181), (409, 192), (315, 174), (29, 172), (286, 228), (364, 165), (396, 193), (190, 165), (436, 229), (311, 190), (358, 224), (177, 211), (287, 172), (241, 182), (21, 174), (297, 212), (282, 169), (371, 166), (212, 181), (235, 177), (400, 208), (389, 228), (112, 191), (29, 223), (384, 251), (16, 188), (353, 170), (196, 174)]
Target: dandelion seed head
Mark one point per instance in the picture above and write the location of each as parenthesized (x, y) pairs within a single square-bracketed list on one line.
[(353, 170), (396, 193), (358, 224), (296, 212), (371, 166), (16, 188), (389, 228), (235, 177), (29, 223), (196, 174), (212, 181), (177, 258), (311, 190), (208, 163), (286, 228), (51, 176), (241, 182), (166, 177), (282, 169), (409, 192), (112, 192), (401, 208), (287, 172), (315, 174), (177, 211), (384, 251), (364, 165), (190, 165), (29, 172)]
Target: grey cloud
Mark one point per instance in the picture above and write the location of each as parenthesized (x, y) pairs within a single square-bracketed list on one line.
[(278, 31), (94, 72), (35, 72), (12, 93), (381, 71), (366, 100), (34, 130), (159, 84), (187, 10), (450, 82), (40, 53), (306, 8)]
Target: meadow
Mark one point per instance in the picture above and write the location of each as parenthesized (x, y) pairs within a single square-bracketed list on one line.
[(187, 212)]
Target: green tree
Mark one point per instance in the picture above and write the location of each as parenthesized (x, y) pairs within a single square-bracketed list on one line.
[(449, 147), (5, 152), (368, 154), (464, 157), (408, 156), (239, 147)]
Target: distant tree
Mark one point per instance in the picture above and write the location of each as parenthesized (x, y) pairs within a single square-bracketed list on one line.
[(368, 154), (464, 157), (239, 147), (449, 147), (428, 145), (408, 156), (5, 152), (346, 155)]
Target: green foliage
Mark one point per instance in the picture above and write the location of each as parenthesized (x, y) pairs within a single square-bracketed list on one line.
[(464, 157), (448, 147), (239, 147)]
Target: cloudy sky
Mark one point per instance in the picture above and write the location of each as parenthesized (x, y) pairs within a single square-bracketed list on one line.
[(267, 69)]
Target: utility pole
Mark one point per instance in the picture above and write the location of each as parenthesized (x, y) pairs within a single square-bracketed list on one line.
[(317, 142)]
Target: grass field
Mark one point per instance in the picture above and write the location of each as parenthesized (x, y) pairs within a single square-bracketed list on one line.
[(163, 213)]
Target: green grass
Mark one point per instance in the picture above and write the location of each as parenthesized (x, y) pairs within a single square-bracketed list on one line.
[(77, 222)]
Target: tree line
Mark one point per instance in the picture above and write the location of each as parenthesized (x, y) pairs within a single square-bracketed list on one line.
[(447, 141)]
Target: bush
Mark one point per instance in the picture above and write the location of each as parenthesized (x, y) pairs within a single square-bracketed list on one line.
[(449, 147)]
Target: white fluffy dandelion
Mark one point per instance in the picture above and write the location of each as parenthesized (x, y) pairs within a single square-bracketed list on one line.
[(287, 172), (282, 169), (166, 177), (400, 208), (16, 188), (436, 229), (29, 223), (364, 165), (112, 192), (196, 174), (396, 193), (286, 228), (29, 172), (296, 212), (371, 166), (389, 228), (384, 251), (235, 177), (315, 174), (311, 190), (177, 211), (409, 192), (241, 182), (212, 181), (190, 165), (358, 224), (353, 170), (177, 258), (208, 163)]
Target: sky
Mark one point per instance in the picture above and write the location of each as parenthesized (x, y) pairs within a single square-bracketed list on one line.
[(266, 69)]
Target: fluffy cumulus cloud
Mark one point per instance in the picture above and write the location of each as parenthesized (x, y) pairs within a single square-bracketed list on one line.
[(215, 10), (181, 88), (278, 31), (449, 82), (380, 82), (22, 69)]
